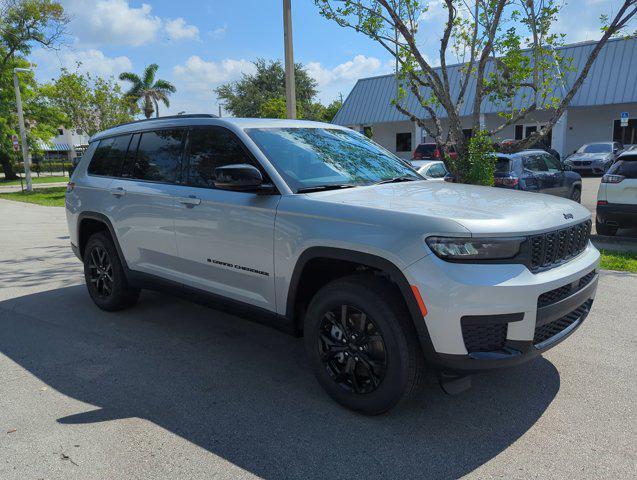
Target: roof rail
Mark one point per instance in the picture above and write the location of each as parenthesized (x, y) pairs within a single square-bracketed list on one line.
[(169, 117)]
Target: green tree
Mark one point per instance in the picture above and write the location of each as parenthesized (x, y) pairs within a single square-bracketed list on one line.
[(23, 25), (90, 104), (508, 49), (148, 91), (247, 96)]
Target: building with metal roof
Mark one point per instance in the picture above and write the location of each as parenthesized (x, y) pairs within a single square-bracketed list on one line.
[(594, 114)]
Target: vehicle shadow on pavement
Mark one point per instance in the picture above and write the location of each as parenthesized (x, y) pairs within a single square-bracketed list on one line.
[(243, 391)]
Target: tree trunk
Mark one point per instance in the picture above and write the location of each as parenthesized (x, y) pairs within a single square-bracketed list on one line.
[(7, 167), (148, 107)]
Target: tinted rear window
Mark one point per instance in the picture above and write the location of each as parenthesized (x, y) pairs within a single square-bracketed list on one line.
[(426, 148), (627, 167), (502, 165), (158, 156), (109, 155)]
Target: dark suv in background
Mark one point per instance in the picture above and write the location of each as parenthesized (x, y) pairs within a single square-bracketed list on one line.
[(537, 171)]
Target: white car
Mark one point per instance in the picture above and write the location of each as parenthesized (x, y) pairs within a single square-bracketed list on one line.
[(617, 196), (432, 169)]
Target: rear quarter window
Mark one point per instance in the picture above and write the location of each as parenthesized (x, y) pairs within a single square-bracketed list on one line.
[(109, 155), (502, 165)]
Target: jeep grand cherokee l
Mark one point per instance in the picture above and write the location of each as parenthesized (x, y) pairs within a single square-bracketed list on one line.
[(331, 236)]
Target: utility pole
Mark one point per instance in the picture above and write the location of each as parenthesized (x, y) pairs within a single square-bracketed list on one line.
[(26, 159), (290, 86)]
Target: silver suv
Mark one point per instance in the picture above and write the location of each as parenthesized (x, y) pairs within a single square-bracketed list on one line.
[(320, 230)]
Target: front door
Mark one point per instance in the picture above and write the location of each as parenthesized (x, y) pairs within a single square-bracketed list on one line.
[(556, 179), (225, 239)]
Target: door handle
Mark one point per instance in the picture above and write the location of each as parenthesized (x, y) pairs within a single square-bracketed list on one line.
[(190, 201), (118, 192)]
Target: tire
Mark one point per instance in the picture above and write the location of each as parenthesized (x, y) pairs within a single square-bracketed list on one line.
[(576, 195), (104, 275), (605, 229), (384, 358)]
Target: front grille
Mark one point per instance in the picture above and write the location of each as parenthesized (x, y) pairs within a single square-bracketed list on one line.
[(549, 330), (561, 293), (487, 337), (552, 248)]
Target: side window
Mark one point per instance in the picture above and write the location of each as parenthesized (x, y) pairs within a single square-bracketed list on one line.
[(534, 163), (552, 164), (158, 156), (211, 148), (109, 156), (627, 168)]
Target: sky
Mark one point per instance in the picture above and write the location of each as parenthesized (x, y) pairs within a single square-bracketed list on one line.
[(199, 45)]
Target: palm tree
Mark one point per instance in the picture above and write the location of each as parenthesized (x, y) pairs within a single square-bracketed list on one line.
[(148, 90)]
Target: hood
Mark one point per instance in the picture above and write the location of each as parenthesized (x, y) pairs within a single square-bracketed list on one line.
[(481, 210), (589, 156)]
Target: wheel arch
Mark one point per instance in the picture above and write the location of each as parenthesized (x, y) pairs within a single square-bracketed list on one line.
[(89, 223), (371, 261)]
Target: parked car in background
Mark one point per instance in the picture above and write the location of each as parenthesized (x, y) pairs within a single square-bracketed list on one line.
[(617, 196), (506, 145), (433, 170), (537, 171), (594, 158), (430, 151)]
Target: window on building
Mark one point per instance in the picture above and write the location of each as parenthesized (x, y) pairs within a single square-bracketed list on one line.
[(60, 131), (158, 156), (403, 142), (211, 148), (367, 131), (519, 132)]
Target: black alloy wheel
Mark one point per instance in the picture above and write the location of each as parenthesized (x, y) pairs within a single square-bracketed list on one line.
[(100, 271), (352, 349)]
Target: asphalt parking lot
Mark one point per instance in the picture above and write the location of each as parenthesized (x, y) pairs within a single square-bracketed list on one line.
[(171, 389)]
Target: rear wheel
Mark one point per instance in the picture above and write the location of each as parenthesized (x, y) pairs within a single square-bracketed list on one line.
[(361, 344), (576, 195), (605, 229), (104, 275)]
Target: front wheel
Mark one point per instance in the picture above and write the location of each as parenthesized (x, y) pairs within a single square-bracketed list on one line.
[(361, 344)]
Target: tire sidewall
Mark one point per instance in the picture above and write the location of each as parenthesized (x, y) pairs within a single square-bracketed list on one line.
[(118, 295), (396, 377)]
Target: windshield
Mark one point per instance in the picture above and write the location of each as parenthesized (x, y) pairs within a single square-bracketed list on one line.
[(315, 157), (595, 148)]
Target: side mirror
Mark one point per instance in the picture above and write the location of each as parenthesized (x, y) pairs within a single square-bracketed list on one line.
[(240, 177)]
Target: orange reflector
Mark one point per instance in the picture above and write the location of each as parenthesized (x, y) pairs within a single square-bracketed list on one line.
[(421, 304)]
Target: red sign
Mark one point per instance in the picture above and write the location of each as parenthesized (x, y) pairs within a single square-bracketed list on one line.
[(16, 143)]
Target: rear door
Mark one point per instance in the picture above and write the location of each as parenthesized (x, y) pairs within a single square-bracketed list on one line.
[(624, 192), (143, 201), (555, 177), (225, 239)]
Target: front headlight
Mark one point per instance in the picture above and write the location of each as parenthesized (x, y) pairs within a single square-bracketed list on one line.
[(468, 249)]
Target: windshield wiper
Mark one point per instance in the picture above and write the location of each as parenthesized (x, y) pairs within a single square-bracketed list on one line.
[(403, 178), (322, 188)]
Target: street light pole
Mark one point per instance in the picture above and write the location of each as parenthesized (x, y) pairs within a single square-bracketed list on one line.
[(290, 86), (26, 159)]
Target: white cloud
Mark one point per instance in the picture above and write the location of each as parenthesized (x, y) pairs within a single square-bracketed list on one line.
[(178, 29), (219, 32), (92, 61), (359, 67), (112, 22), (200, 76)]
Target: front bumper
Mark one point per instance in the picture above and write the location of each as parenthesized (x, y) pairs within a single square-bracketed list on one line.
[(502, 303), (617, 215)]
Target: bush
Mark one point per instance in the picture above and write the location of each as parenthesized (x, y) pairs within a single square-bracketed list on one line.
[(478, 164)]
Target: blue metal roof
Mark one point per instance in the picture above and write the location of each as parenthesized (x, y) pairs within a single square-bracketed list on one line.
[(611, 80)]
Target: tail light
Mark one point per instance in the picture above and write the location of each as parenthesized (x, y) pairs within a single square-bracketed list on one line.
[(416, 156), (507, 181), (70, 186), (610, 178), (602, 202), (437, 153)]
